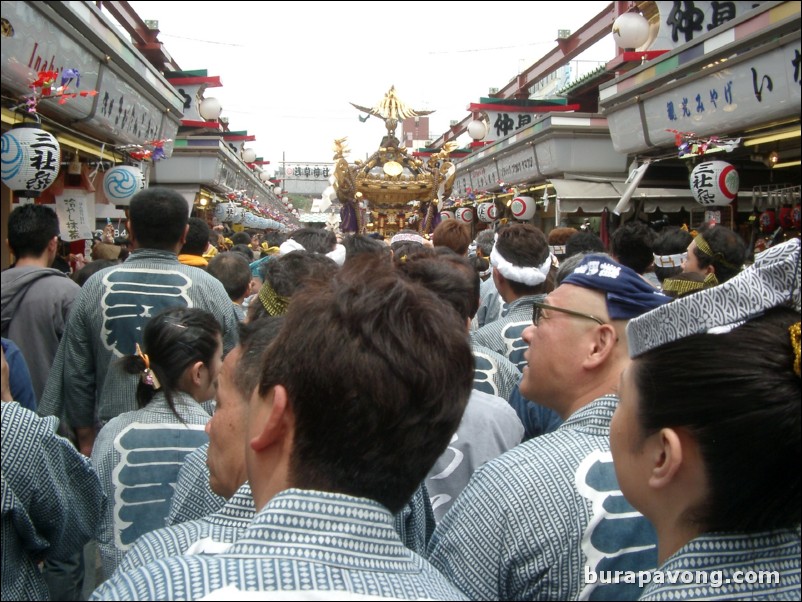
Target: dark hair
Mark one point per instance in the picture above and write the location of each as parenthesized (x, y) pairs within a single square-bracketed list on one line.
[(289, 273), (233, 270), (90, 269), (315, 240), (362, 243), (30, 230), (401, 247), (672, 240), (743, 412), (450, 276), (197, 237), (584, 242), (729, 251), (243, 250), (241, 238), (173, 340), (378, 372), (631, 245), (158, 218), (452, 234), (524, 245)]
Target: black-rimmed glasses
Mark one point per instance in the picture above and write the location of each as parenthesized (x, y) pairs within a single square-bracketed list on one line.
[(537, 313)]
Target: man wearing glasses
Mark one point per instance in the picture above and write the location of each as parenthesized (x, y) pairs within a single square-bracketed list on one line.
[(544, 520)]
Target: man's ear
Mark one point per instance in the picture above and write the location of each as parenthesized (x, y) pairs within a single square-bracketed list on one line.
[(667, 456), (279, 422)]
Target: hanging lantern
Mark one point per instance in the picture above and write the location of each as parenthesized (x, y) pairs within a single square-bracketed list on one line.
[(248, 155), (714, 183), (121, 183), (796, 217), (523, 207), (264, 176), (487, 212), (446, 214), (785, 217), (465, 215), (768, 221), (477, 129), (31, 158), (210, 109)]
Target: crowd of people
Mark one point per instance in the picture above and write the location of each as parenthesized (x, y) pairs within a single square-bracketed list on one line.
[(513, 416)]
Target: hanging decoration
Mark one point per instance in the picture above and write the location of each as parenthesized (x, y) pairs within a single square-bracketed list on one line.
[(31, 159), (487, 212), (446, 214), (121, 183), (152, 150), (464, 215), (689, 144), (44, 86), (523, 208), (714, 183)]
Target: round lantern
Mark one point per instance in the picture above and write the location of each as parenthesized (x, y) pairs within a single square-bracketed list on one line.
[(796, 217), (264, 176), (228, 212), (121, 183), (786, 217), (630, 30), (523, 207), (446, 214), (31, 158), (465, 215), (768, 221), (714, 183), (487, 212), (248, 155), (277, 190), (477, 129), (210, 109)]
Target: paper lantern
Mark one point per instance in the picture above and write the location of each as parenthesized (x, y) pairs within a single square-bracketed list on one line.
[(465, 215), (31, 159), (487, 212), (121, 183), (446, 214), (768, 221), (796, 217), (630, 30), (714, 183), (210, 109), (785, 217), (477, 129), (523, 207), (248, 155), (228, 212)]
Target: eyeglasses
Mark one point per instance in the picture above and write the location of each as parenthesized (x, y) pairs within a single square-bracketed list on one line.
[(537, 313)]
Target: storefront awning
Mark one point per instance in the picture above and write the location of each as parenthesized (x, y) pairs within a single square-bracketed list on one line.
[(594, 197)]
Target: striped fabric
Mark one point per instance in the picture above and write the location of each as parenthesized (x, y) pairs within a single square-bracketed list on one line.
[(301, 540), (530, 521), (504, 334), (51, 500)]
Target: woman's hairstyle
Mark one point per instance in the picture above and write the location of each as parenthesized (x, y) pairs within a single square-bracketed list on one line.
[(173, 340), (744, 411)]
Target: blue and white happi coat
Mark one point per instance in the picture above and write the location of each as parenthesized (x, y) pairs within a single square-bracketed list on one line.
[(530, 522), (504, 335), (300, 541)]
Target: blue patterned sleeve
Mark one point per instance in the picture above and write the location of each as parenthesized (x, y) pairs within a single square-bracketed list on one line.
[(77, 352)]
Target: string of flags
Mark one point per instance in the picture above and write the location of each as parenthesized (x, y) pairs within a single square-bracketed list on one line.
[(44, 86), (688, 143), (141, 152)]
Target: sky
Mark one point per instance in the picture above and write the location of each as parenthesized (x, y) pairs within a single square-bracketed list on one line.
[(290, 69)]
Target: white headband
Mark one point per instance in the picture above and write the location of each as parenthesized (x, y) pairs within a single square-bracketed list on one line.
[(670, 261), (531, 276), (290, 245), (408, 237)]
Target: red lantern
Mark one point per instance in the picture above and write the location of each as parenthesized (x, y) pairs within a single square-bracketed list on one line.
[(768, 221), (786, 219)]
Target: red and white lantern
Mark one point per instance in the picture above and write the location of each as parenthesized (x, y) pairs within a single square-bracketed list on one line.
[(714, 183), (523, 208), (446, 214), (465, 215), (487, 212)]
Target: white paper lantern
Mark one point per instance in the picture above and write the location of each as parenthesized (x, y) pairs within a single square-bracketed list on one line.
[(477, 129), (277, 190), (248, 155), (121, 183), (228, 212), (264, 176), (523, 207), (630, 30), (446, 214), (465, 215), (487, 212), (714, 183), (210, 109), (31, 159)]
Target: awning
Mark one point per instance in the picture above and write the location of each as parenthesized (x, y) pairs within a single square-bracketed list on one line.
[(594, 197)]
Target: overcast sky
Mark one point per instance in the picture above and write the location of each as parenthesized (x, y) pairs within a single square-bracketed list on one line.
[(289, 69)]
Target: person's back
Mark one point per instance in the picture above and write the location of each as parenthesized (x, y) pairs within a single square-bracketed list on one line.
[(114, 305), (35, 298)]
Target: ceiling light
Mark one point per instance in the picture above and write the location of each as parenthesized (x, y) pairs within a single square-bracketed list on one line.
[(786, 164), (795, 133)]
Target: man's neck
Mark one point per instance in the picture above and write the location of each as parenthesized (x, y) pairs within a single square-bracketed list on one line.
[(33, 262)]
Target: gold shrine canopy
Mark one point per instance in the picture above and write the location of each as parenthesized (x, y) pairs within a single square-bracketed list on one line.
[(390, 177)]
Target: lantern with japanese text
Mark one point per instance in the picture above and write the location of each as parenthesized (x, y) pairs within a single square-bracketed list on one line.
[(446, 214), (487, 212), (121, 183), (523, 207), (228, 212), (465, 215), (714, 183), (31, 158)]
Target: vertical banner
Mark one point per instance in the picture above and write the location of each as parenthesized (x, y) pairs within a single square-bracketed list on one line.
[(76, 215)]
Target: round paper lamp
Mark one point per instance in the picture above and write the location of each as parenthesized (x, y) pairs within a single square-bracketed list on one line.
[(465, 215), (630, 30), (31, 159), (523, 207), (487, 212), (446, 214), (714, 183), (121, 183), (477, 129)]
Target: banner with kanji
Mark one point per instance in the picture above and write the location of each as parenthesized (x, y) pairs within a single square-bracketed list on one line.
[(76, 215)]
